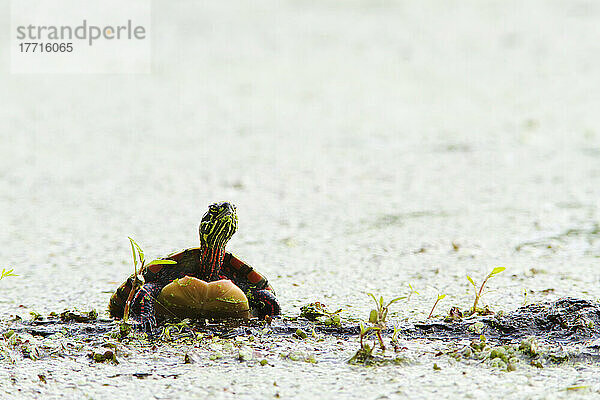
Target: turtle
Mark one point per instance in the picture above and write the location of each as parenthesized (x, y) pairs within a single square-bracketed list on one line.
[(207, 270)]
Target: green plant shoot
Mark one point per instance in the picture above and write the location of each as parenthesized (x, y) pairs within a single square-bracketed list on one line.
[(440, 297), (378, 316), (479, 292), (6, 273), (412, 291)]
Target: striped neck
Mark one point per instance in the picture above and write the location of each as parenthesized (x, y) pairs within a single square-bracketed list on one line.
[(211, 259)]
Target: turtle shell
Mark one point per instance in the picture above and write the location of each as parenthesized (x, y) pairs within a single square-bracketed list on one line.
[(187, 260)]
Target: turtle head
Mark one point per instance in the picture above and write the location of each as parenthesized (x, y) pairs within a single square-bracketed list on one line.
[(218, 225)]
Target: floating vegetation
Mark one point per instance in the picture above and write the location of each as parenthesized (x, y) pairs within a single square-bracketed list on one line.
[(16, 347), (300, 334), (365, 356), (174, 331), (313, 310), (319, 313), (102, 355), (78, 316), (508, 357), (298, 355)]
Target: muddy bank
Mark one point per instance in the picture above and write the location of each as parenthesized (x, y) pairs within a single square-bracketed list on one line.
[(565, 321), (538, 336)]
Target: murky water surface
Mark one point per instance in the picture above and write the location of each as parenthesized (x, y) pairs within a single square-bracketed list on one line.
[(368, 146)]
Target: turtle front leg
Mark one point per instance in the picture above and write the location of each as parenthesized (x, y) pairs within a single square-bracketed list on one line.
[(142, 310)]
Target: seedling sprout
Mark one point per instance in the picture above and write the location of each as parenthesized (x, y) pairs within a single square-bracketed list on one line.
[(479, 292), (6, 273), (440, 297)]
